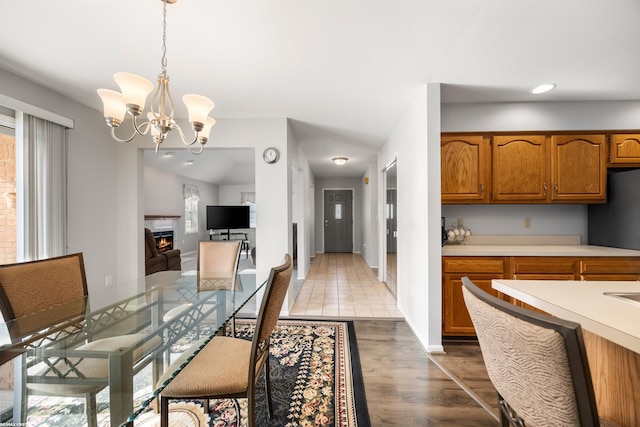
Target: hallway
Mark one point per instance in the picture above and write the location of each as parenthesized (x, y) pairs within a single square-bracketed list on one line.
[(343, 285)]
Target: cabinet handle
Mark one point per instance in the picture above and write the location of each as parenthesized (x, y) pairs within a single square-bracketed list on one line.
[(544, 186), (555, 189), (481, 189)]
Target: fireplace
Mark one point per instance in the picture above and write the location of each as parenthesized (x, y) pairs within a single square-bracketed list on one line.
[(164, 240)]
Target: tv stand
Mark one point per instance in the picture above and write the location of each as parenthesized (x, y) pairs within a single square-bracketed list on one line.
[(233, 236)]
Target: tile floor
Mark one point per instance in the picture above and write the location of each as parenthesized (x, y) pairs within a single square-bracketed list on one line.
[(343, 285)]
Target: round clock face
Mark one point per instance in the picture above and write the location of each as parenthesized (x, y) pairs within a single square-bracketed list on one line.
[(271, 155)]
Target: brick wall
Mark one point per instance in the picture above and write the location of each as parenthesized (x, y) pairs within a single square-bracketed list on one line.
[(7, 199), (7, 225)]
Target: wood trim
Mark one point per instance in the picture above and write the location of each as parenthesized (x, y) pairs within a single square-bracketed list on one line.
[(146, 217)]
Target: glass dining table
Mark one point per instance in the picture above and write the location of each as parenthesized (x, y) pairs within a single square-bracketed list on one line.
[(116, 353)]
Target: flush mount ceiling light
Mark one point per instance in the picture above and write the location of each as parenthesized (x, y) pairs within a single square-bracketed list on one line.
[(543, 88), (339, 160), (160, 120), (190, 162)]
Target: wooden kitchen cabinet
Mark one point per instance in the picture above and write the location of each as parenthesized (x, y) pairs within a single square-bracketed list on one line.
[(532, 168), (624, 150), (520, 168), (578, 168), (465, 163), (610, 268), (481, 270)]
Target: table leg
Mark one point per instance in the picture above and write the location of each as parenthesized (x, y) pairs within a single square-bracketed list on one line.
[(120, 387)]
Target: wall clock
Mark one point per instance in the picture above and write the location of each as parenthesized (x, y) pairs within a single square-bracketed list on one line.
[(271, 155)]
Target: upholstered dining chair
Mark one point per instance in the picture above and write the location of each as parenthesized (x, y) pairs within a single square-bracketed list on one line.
[(537, 363), (57, 287), (228, 367)]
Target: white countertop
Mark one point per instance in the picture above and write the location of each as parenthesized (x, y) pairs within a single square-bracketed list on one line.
[(536, 250), (583, 302)]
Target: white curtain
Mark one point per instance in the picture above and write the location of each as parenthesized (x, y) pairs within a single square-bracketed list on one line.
[(45, 188), (191, 192)]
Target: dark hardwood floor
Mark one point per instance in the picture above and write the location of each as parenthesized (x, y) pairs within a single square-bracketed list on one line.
[(407, 387)]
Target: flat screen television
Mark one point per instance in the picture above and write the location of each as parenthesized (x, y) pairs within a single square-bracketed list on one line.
[(227, 217)]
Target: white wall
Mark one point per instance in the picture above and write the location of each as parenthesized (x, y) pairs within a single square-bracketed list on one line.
[(419, 282), (369, 228), (97, 223)]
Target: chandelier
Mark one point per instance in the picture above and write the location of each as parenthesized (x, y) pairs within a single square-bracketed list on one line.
[(132, 98)]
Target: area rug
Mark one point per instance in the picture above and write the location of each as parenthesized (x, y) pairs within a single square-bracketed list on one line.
[(316, 381)]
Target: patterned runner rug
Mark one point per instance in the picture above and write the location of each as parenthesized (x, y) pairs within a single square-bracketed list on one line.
[(316, 381)]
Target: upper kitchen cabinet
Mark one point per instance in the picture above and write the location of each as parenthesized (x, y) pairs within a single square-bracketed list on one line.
[(624, 150), (520, 169), (578, 168), (465, 169)]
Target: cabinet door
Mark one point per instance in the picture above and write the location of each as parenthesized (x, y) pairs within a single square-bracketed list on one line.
[(624, 150), (578, 168), (464, 165), (455, 317), (520, 172)]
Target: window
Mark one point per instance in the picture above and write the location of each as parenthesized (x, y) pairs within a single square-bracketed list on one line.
[(191, 201), (248, 198)]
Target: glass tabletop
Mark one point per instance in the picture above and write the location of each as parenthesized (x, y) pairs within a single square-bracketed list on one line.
[(119, 351)]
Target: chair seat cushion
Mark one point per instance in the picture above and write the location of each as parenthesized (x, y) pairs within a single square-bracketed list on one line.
[(220, 368)]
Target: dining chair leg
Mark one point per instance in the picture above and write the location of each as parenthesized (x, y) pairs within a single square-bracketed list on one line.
[(205, 405), (164, 412), (267, 387), (251, 410)]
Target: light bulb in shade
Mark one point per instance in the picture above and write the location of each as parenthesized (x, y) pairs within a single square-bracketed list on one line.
[(543, 88), (339, 160), (113, 104), (134, 88), (198, 107), (206, 130)]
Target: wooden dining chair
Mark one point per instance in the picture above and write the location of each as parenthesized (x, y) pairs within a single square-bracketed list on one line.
[(228, 367), (537, 363), (57, 288)]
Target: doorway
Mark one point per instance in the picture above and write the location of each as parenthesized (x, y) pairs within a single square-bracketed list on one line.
[(391, 218), (338, 220)]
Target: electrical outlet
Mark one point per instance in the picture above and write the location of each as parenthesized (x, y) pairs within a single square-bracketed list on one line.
[(527, 223), (107, 281), (460, 222)]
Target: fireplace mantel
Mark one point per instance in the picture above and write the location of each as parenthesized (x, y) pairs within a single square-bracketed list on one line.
[(164, 216)]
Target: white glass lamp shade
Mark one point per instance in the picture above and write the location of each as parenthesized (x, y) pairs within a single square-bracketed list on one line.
[(134, 88), (113, 104), (198, 107), (206, 130)]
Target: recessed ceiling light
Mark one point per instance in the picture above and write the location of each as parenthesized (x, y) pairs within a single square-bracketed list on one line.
[(190, 162), (339, 160), (169, 153), (543, 88)]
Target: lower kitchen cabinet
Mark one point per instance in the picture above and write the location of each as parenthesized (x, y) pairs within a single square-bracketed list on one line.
[(481, 270)]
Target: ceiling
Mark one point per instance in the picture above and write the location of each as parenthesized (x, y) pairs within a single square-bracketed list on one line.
[(344, 72)]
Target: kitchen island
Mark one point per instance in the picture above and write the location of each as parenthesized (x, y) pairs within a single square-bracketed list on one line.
[(611, 328)]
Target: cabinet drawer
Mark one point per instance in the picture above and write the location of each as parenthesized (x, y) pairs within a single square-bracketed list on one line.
[(473, 265), (604, 265), (544, 265)]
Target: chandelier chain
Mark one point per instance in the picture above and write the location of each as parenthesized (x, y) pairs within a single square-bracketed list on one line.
[(164, 37)]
